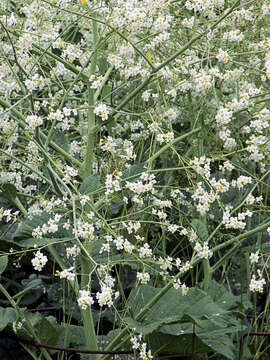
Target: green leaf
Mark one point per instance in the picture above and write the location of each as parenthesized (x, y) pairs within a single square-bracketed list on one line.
[(169, 345), (71, 335), (25, 229), (196, 302), (33, 284), (3, 263), (90, 184), (7, 316), (132, 171), (226, 299), (61, 140), (9, 191), (176, 317), (149, 328), (45, 331), (31, 242), (200, 228)]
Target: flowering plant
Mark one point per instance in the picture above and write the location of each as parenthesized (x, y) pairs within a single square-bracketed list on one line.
[(134, 171)]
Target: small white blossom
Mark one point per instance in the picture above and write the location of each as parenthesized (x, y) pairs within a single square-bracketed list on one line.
[(39, 261), (85, 300)]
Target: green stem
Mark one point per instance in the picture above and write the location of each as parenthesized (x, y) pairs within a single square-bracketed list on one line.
[(86, 265), (207, 274), (167, 146), (21, 121), (89, 327), (89, 157)]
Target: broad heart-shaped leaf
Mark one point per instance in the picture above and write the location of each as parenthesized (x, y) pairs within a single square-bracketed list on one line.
[(190, 340), (25, 229), (132, 171), (3, 263), (9, 191), (149, 328), (168, 345), (200, 228), (226, 299), (173, 303), (61, 140), (31, 242), (7, 316), (175, 317), (90, 184), (71, 335), (46, 332), (33, 284)]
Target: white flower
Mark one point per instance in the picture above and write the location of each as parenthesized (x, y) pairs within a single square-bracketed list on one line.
[(143, 277), (39, 261), (85, 299), (66, 274), (102, 111), (234, 35), (145, 251), (33, 121), (254, 257), (256, 285), (73, 251), (223, 56), (203, 250)]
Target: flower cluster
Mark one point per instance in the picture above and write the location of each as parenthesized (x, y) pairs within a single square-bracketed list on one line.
[(39, 261), (85, 299)]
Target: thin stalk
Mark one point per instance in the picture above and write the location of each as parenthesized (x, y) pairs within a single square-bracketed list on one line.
[(86, 265), (89, 157), (207, 274), (89, 327), (167, 146), (21, 121), (226, 256)]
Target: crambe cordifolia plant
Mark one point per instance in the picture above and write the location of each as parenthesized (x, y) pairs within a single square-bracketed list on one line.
[(134, 174)]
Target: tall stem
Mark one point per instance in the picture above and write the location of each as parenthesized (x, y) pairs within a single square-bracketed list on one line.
[(89, 327), (86, 265), (206, 274), (88, 161)]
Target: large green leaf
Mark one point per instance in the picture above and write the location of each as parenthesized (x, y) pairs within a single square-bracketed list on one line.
[(172, 303), (9, 191), (7, 316), (61, 140), (44, 329), (226, 299), (90, 184), (71, 335), (176, 316), (31, 242), (200, 228), (25, 229), (132, 171), (168, 345), (33, 284)]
